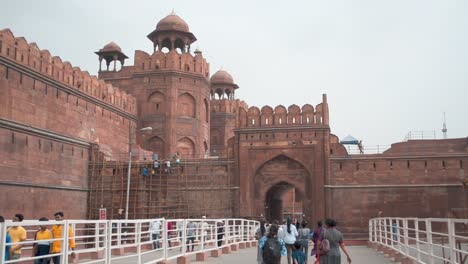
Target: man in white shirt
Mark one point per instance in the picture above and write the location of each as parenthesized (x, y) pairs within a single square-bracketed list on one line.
[(155, 233), (204, 229)]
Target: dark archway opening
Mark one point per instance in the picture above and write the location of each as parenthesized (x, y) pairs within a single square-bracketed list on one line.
[(283, 200)]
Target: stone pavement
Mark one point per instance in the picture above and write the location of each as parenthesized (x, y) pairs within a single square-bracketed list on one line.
[(359, 255)]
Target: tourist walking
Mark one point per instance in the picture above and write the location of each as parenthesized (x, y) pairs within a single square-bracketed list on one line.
[(156, 233), (57, 234), (220, 233), (272, 247), (170, 233), (204, 227), (41, 247), (191, 229), (303, 238), (298, 255), (17, 234), (259, 234), (335, 240), (289, 237), (317, 232)]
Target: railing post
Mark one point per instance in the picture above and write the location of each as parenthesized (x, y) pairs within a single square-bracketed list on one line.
[(380, 231), (64, 251), (418, 247), (119, 232), (374, 224), (164, 242), (392, 233), (405, 233), (388, 232), (108, 243), (184, 236), (398, 231), (370, 230), (2, 242), (138, 240), (96, 235), (430, 249), (451, 239), (226, 230)]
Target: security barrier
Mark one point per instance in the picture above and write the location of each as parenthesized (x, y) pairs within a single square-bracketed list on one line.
[(430, 240), (131, 241)]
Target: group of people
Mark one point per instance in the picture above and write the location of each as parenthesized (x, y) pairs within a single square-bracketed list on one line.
[(43, 245), (162, 165), (292, 240), (191, 232)]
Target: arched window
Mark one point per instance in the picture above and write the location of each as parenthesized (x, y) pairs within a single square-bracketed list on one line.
[(156, 102), (186, 105), (186, 148)]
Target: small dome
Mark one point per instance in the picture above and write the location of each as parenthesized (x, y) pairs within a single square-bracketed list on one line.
[(222, 76), (111, 47), (172, 22)]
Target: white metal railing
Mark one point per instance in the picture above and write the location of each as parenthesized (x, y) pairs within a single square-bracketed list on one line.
[(366, 149), (132, 241), (429, 240), (420, 135)]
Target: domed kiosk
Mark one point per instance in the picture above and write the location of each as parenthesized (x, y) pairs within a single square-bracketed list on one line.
[(111, 52), (172, 32), (222, 85)]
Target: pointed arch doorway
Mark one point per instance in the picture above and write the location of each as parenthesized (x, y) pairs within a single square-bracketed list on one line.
[(280, 189)]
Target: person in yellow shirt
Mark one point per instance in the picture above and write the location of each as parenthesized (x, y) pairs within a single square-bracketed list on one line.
[(17, 234), (57, 233), (42, 245)]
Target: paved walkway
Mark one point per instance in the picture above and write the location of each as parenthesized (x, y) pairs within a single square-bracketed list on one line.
[(359, 255)]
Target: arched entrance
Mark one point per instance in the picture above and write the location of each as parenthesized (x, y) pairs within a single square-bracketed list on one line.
[(280, 188), (283, 200)]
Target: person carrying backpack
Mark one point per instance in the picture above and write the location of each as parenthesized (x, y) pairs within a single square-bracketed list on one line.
[(272, 247), (329, 244)]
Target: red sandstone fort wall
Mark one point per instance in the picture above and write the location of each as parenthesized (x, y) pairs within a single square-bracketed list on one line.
[(280, 116), (40, 176), (50, 113), (43, 92), (405, 185), (224, 119)]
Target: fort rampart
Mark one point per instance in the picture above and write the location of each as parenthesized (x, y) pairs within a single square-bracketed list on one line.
[(50, 115)]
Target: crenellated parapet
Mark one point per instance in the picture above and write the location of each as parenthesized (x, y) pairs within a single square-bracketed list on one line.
[(172, 60), (19, 51), (227, 106), (279, 116)]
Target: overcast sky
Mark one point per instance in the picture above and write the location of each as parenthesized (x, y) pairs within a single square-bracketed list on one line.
[(387, 66)]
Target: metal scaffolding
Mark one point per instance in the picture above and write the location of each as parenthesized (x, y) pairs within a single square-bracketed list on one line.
[(192, 188)]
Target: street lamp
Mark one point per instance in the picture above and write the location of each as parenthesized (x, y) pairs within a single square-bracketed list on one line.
[(130, 167)]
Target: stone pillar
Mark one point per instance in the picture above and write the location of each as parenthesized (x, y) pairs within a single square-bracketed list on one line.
[(100, 62), (115, 62)]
